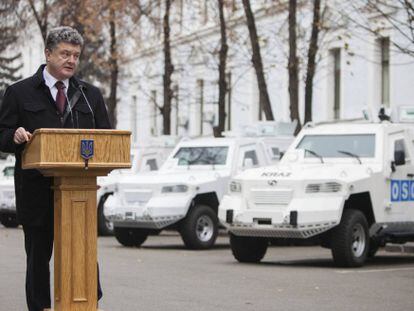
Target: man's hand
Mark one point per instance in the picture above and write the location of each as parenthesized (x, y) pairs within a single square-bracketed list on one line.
[(21, 136)]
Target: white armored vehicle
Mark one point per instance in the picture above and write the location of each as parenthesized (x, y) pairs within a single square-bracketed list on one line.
[(146, 158), (349, 186), (8, 215), (185, 193)]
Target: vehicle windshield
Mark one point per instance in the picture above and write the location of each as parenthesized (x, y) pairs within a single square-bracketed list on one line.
[(334, 146), (8, 171), (202, 155)]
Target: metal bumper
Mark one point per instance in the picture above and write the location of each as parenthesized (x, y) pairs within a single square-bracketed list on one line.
[(146, 222), (300, 218), (7, 209), (282, 231)]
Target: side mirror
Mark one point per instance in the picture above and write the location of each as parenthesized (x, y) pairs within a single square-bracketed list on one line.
[(248, 163), (281, 154), (399, 157)]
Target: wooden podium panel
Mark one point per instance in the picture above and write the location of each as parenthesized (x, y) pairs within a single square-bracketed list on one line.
[(57, 153), (54, 149)]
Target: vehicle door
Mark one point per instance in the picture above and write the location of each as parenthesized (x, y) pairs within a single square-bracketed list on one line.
[(400, 185)]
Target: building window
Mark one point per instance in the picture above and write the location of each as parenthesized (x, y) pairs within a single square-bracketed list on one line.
[(159, 17), (204, 11), (200, 101), (134, 129), (180, 13), (336, 57), (385, 72), (154, 112)]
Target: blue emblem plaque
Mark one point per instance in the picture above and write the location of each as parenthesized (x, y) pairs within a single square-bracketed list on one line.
[(87, 149)]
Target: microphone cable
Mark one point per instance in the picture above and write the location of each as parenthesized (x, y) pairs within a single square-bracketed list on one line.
[(70, 109), (87, 102)]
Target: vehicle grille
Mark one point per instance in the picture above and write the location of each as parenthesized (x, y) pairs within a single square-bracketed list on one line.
[(272, 196)]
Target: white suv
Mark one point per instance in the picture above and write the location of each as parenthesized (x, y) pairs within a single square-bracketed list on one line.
[(146, 158), (185, 193), (8, 215), (349, 186)]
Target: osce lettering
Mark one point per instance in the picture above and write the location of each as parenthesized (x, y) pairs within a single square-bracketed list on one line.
[(402, 190)]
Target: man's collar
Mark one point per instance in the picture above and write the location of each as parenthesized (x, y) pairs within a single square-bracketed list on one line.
[(39, 80), (50, 80)]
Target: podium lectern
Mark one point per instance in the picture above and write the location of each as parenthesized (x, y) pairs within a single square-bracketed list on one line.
[(75, 157)]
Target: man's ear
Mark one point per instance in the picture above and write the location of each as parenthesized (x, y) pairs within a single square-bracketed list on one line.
[(47, 54)]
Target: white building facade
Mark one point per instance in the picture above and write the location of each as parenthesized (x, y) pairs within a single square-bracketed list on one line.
[(356, 70)]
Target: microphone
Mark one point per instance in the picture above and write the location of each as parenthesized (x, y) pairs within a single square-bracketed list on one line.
[(70, 109), (80, 86)]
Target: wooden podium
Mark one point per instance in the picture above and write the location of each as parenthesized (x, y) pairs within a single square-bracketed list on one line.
[(57, 153)]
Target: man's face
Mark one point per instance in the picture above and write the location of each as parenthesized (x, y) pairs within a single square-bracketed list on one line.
[(63, 60)]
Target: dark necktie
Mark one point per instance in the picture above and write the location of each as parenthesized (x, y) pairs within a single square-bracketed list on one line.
[(60, 96)]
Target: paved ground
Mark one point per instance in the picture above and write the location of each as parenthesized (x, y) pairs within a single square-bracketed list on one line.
[(164, 276)]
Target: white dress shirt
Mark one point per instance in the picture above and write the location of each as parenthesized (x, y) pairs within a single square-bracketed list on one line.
[(51, 81)]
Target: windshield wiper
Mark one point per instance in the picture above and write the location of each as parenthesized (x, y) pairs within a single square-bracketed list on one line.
[(350, 154), (314, 154)]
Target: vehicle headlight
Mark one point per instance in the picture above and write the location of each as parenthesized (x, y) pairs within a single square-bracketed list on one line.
[(323, 187), (235, 186), (174, 189)]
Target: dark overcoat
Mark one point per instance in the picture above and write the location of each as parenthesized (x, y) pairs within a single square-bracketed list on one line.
[(29, 104)]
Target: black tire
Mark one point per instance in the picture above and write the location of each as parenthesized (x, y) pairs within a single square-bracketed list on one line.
[(105, 227), (199, 229), (130, 237), (248, 249), (350, 239), (9, 221)]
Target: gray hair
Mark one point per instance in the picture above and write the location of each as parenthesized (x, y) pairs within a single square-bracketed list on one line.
[(63, 34)]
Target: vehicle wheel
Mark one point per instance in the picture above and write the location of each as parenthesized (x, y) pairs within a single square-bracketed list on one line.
[(248, 249), (200, 228), (9, 221), (350, 239), (105, 227), (130, 237)]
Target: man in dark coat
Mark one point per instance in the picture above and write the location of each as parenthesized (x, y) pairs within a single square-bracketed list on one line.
[(51, 98)]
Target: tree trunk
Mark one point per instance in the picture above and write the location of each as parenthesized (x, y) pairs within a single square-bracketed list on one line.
[(257, 61), (310, 71), (168, 71), (222, 83), (41, 17), (293, 67), (113, 61)]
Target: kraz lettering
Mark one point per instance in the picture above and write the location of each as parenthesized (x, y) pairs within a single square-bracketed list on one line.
[(276, 174)]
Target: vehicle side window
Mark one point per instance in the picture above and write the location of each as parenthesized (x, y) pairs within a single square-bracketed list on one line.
[(399, 150), (275, 153), (251, 154), (8, 171), (152, 163)]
